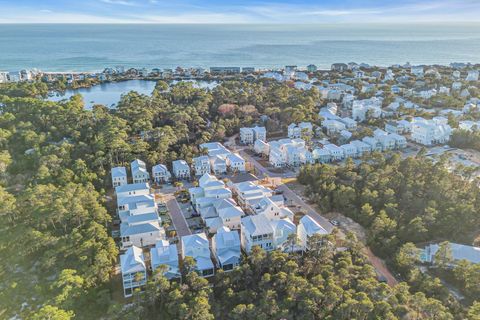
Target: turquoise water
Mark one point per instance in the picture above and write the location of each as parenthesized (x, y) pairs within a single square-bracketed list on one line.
[(93, 47), (109, 93)]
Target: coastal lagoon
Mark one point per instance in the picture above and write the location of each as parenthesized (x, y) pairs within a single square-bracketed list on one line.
[(109, 93)]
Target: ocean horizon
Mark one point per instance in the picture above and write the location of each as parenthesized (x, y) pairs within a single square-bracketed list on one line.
[(93, 47)]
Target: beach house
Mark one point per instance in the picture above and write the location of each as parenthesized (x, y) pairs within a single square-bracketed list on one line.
[(307, 227), (165, 254), (119, 176), (181, 170), (198, 247), (139, 171), (134, 271), (160, 173), (226, 247)]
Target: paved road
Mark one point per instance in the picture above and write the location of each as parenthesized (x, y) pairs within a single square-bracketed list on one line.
[(377, 263), (177, 216), (288, 193)]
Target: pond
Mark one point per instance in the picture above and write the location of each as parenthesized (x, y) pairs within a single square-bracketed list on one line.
[(109, 93)]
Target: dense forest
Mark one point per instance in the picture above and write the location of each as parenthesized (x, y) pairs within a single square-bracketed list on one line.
[(324, 283), (466, 139), (57, 256), (403, 202)]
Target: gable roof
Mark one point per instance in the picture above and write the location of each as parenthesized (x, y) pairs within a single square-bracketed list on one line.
[(119, 172), (132, 187), (132, 261), (257, 225), (311, 226)]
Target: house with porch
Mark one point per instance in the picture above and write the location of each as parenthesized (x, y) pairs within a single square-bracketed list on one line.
[(226, 247), (181, 170), (160, 174), (165, 254), (139, 171), (198, 247), (134, 271), (119, 176), (307, 227)]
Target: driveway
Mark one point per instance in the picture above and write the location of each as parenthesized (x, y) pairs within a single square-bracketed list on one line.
[(177, 216), (377, 263), (288, 193)]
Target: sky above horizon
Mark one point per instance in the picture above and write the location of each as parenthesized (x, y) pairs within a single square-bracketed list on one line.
[(237, 11)]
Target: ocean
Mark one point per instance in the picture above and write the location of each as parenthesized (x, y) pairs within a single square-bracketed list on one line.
[(84, 47)]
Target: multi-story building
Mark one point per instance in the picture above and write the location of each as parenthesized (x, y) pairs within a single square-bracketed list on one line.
[(119, 176), (201, 165), (198, 247), (181, 170), (160, 173), (226, 247), (139, 171), (134, 271), (165, 254)]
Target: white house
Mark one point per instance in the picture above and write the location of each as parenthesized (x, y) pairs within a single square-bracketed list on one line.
[(417, 71), (362, 109), (271, 210), (119, 176), (333, 126), (400, 141), (141, 230), (235, 162), (139, 171), (198, 247), (456, 86), (321, 155), (388, 142), (362, 147), (430, 132), (336, 152), (257, 231), (282, 229), (201, 165), (160, 173), (296, 131), (134, 271), (261, 147), (459, 252), (307, 227), (229, 213), (398, 127), (181, 170), (291, 152), (135, 189), (250, 135), (472, 75), (135, 204), (349, 150), (218, 164), (349, 123), (165, 254), (374, 144), (226, 247), (248, 193)]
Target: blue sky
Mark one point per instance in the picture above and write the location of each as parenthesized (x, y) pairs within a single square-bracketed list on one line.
[(247, 11)]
